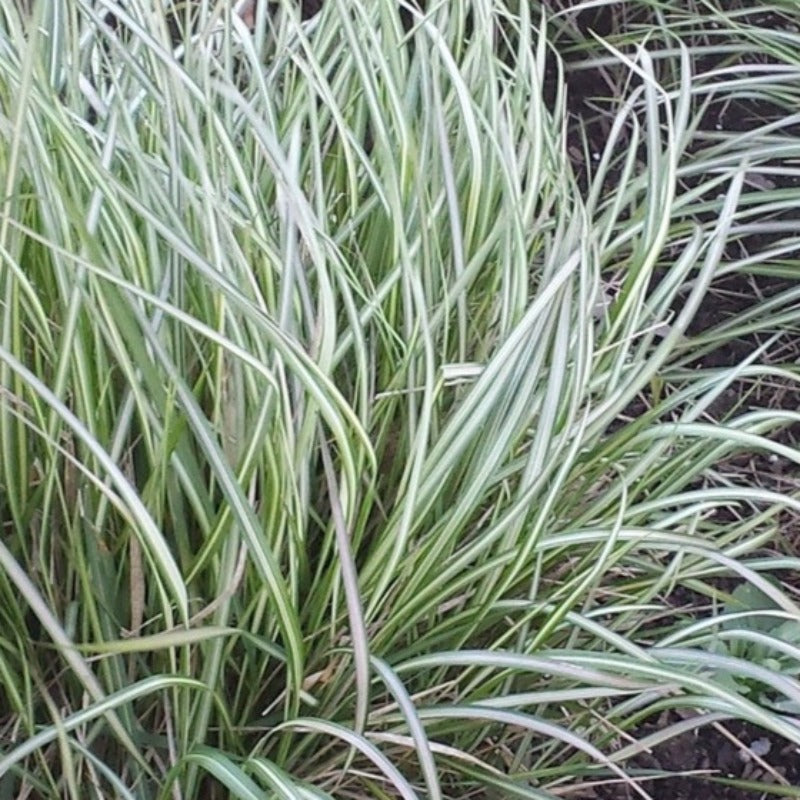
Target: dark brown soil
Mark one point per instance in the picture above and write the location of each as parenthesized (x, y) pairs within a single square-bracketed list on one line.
[(713, 762)]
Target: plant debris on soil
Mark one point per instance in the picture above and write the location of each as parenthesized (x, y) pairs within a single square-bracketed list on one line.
[(720, 761)]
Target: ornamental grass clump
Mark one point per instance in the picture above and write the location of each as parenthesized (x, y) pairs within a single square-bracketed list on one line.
[(369, 422)]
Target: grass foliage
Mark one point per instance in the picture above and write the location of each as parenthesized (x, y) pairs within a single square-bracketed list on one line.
[(356, 442)]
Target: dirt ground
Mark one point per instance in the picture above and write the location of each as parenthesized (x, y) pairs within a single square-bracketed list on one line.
[(705, 761), (729, 750)]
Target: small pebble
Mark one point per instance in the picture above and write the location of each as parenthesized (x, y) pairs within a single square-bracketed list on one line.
[(758, 747)]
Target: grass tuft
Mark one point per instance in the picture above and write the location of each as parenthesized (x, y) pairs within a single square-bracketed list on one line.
[(393, 404)]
